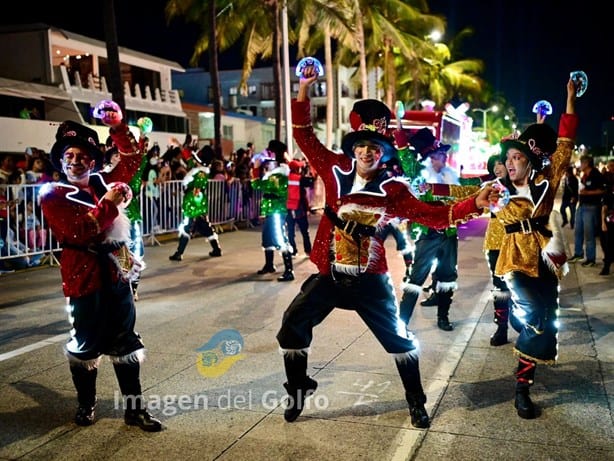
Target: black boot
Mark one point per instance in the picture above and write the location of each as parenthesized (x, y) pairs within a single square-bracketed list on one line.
[(524, 380), (135, 413), (299, 386), (268, 267), (502, 312), (183, 243), (216, 251), (85, 384), (288, 274), (444, 300), (605, 270), (409, 371), (431, 300)]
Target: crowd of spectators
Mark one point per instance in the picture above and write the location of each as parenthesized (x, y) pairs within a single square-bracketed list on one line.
[(24, 238)]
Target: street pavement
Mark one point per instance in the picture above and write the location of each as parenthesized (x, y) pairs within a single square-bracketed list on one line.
[(214, 374)]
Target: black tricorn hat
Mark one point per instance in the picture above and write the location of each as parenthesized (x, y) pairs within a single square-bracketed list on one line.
[(537, 142), (74, 134), (369, 120), (425, 144)]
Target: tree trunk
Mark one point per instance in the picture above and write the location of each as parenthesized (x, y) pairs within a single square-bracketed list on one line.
[(277, 82), (215, 81), (362, 54), (114, 82)]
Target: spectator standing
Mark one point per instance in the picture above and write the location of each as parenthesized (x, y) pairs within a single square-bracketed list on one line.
[(298, 206), (588, 215), (569, 198)]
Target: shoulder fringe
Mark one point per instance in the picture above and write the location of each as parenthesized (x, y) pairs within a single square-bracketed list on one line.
[(553, 253)]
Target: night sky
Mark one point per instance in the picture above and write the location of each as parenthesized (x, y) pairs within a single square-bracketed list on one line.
[(528, 46)]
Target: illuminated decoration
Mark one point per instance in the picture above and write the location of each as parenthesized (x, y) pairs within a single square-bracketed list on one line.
[(542, 107), (504, 197), (309, 62), (108, 111), (459, 111), (580, 80), (125, 190), (195, 201), (419, 185), (145, 124), (399, 110)]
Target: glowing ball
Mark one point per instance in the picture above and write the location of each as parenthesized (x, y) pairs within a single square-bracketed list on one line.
[(580, 79), (504, 198), (109, 112), (309, 62), (145, 124), (542, 107)]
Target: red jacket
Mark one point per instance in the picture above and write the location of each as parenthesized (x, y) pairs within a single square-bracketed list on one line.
[(380, 201), (78, 218)]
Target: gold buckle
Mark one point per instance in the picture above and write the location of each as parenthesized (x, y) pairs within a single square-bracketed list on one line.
[(350, 227), (525, 226)]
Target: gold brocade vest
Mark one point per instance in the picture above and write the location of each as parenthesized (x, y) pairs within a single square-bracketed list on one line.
[(520, 251)]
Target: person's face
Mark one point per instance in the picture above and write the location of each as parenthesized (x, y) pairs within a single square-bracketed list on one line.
[(77, 163), (518, 166), (438, 161), (8, 163), (368, 156), (38, 165), (500, 170)]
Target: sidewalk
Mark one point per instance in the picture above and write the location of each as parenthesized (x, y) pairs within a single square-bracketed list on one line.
[(231, 411)]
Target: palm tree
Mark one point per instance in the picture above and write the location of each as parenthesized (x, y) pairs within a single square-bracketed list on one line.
[(435, 76), (205, 13), (110, 30), (319, 22)]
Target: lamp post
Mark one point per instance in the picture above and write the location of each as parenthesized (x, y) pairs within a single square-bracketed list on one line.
[(484, 119)]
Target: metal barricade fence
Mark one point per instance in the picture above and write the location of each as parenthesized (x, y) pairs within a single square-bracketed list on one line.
[(26, 241)]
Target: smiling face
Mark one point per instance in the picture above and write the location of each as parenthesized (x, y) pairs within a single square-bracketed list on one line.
[(518, 167), (77, 163), (368, 156)]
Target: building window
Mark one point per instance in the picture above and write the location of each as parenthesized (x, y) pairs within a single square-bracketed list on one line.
[(227, 132)]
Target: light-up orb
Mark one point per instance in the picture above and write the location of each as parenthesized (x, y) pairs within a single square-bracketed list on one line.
[(145, 124), (580, 79), (309, 62), (542, 107), (108, 111)]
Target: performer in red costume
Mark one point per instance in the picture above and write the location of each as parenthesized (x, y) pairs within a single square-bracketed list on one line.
[(84, 214), (361, 198)]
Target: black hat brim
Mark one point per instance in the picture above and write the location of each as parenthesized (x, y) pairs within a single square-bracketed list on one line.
[(348, 141), (57, 151)]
